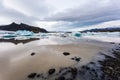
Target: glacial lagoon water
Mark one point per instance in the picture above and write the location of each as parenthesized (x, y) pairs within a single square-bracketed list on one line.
[(17, 61)]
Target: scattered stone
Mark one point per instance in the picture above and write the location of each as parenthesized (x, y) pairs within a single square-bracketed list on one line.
[(77, 59), (74, 72), (92, 63), (38, 75), (111, 66), (66, 53), (51, 71), (32, 75), (69, 79), (61, 78), (93, 70), (112, 43), (117, 49), (73, 58), (109, 69), (87, 68), (83, 66), (32, 54)]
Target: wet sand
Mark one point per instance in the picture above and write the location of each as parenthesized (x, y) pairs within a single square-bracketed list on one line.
[(17, 63)]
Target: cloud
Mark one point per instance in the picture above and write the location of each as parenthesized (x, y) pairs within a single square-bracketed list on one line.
[(74, 26), (92, 11), (61, 5), (108, 24), (54, 25), (28, 7), (59, 14), (9, 15), (26, 11)]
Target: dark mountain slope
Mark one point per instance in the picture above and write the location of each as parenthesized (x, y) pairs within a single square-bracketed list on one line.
[(103, 30), (14, 27)]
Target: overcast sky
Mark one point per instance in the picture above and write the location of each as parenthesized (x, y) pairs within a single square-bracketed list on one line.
[(61, 14)]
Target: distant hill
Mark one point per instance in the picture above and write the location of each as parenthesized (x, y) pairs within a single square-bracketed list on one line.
[(14, 27), (103, 30)]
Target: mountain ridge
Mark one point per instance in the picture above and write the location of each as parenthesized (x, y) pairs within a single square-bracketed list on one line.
[(14, 27), (103, 30)]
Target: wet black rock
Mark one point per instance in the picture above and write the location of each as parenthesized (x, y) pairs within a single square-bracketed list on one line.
[(112, 43), (61, 78), (87, 68), (38, 75), (83, 67), (66, 53), (32, 75), (77, 59), (92, 63), (73, 58), (67, 73), (106, 69), (51, 71), (109, 69), (74, 72), (32, 54), (111, 66), (69, 79)]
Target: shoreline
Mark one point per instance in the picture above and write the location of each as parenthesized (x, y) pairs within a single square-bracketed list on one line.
[(47, 62)]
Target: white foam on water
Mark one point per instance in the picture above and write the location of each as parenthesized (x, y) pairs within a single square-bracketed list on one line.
[(104, 38)]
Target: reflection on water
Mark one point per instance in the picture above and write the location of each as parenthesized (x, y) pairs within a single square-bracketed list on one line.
[(18, 41), (16, 62)]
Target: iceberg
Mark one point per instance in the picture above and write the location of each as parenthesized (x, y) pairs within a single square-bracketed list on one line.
[(24, 33), (77, 34), (9, 36)]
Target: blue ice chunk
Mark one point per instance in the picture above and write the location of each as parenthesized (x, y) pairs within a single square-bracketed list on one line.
[(24, 33), (77, 34), (9, 36)]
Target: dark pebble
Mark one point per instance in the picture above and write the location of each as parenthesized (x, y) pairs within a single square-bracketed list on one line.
[(93, 70), (88, 68), (73, 58), (83, 67), (117, 49), (112, 42), (61, 78), (51, 71), (32, 75), (92, 63), (32, 54), (38, 75), (69, 79), (77, 59), (66, 53), (74, 71)]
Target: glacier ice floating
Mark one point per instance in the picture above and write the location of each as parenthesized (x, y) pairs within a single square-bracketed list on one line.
[(24, 33), (77, 34), (9, 36)]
